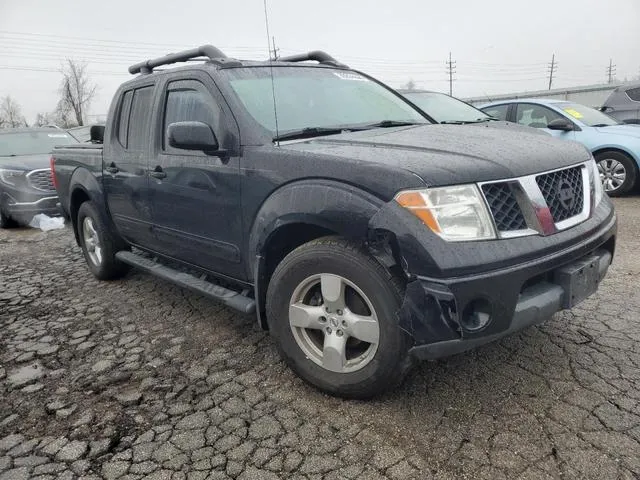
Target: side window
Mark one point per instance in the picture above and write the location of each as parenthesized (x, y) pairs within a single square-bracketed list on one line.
[(189, 105), (499, 111), (634, 94), (535, 116), (139, 118), (123, 120)]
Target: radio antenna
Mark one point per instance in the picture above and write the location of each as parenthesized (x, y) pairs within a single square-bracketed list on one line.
[(273, 87)]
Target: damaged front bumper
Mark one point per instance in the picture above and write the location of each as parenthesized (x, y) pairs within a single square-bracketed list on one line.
[(445, 316)]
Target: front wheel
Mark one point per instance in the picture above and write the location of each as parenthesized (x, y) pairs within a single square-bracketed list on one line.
[(99, 245), (333, 311), (617, 172)]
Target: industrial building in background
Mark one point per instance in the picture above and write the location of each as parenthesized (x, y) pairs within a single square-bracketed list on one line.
[(590, 95)]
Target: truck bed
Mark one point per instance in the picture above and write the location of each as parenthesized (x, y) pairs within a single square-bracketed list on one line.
[(68, 159)]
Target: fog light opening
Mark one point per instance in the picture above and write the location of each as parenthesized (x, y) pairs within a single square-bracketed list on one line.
[(477, 315)]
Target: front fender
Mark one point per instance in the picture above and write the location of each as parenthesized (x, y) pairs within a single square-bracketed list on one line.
[(335, 206)]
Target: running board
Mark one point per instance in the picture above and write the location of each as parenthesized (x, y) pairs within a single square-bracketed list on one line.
[(230, 298)]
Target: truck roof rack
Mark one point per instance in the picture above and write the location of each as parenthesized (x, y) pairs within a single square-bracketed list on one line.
[(317, 55), (214, 55)]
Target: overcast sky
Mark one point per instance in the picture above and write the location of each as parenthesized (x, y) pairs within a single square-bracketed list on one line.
[(499, 46)]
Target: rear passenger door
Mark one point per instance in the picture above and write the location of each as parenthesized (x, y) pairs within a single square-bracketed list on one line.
[(126, 163), (196, 204)]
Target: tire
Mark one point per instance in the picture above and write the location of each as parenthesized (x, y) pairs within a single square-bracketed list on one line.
[(94, 234), (612, 165), (6, 221), (371, 293)]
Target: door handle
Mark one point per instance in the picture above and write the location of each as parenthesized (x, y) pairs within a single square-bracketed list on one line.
[(112, 168), (158, 173)]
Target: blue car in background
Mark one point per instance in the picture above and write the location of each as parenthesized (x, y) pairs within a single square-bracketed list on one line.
[(615, 146)]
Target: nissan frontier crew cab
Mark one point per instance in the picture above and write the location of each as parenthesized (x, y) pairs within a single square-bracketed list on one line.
[(361, 234)]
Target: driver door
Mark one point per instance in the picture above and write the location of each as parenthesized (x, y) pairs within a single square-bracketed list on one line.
[(196, 196)]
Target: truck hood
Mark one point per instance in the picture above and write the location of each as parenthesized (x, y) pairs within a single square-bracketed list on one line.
[(26, 162), (450, 154)]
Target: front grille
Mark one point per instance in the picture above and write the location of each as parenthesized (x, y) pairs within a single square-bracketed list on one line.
[(504, 207), (41, 180), (563, 192)]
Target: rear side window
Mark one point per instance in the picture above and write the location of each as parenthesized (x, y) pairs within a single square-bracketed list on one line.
[(499, 111), (138, 129), (123, 120), (634, 94), (190, 105)]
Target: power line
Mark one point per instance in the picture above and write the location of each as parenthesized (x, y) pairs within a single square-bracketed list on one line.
[(611, 71), (451, 69), (275, 50), (553, 67), (120, 42)]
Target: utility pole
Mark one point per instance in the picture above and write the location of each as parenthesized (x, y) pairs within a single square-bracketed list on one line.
[(451, 69), (275, 50), (553, 66), (611, 71)]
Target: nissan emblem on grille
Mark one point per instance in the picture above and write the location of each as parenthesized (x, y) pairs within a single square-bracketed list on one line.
[(565, 194)]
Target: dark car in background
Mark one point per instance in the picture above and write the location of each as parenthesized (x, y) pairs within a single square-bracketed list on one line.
[(624, 103), (446, 109), (26, 184)]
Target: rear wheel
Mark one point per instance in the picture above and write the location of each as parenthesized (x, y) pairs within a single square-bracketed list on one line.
[(99, 245), (333, 311), (617, 172)]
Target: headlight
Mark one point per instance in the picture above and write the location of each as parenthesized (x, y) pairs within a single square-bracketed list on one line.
[(10, 176), (594, 178), (455, 213)]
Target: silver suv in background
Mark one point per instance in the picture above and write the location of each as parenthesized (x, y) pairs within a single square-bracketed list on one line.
[(26, 184), (624, 103)]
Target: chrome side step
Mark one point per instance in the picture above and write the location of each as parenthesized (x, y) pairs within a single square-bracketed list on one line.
[(230, 298)]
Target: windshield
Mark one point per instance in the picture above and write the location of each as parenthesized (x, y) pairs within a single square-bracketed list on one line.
[(444, 108), (32, 143), (311, 97), (587, 115)]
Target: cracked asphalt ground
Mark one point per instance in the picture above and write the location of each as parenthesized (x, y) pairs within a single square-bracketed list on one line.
[(138, 378)]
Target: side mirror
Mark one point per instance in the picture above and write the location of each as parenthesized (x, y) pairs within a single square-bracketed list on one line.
[(560, 124), (192, 136), (96, 133)]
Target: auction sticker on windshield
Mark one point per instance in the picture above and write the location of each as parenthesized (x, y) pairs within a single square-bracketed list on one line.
[(351, 76), (573, 112)]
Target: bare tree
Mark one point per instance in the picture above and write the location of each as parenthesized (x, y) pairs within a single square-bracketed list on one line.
[(76, 93), (410, 85), (11, 114), (43, 119)]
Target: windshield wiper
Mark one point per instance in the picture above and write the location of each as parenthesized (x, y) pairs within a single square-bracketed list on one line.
[(390, 123), (465, 122), (602, 125), (309, 132)]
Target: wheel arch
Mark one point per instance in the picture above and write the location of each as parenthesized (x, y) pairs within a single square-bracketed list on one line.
[(304, 211), (84, 186), (617, 149)]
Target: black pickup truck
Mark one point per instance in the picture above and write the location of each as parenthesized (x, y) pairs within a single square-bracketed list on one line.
[(361, 234)]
